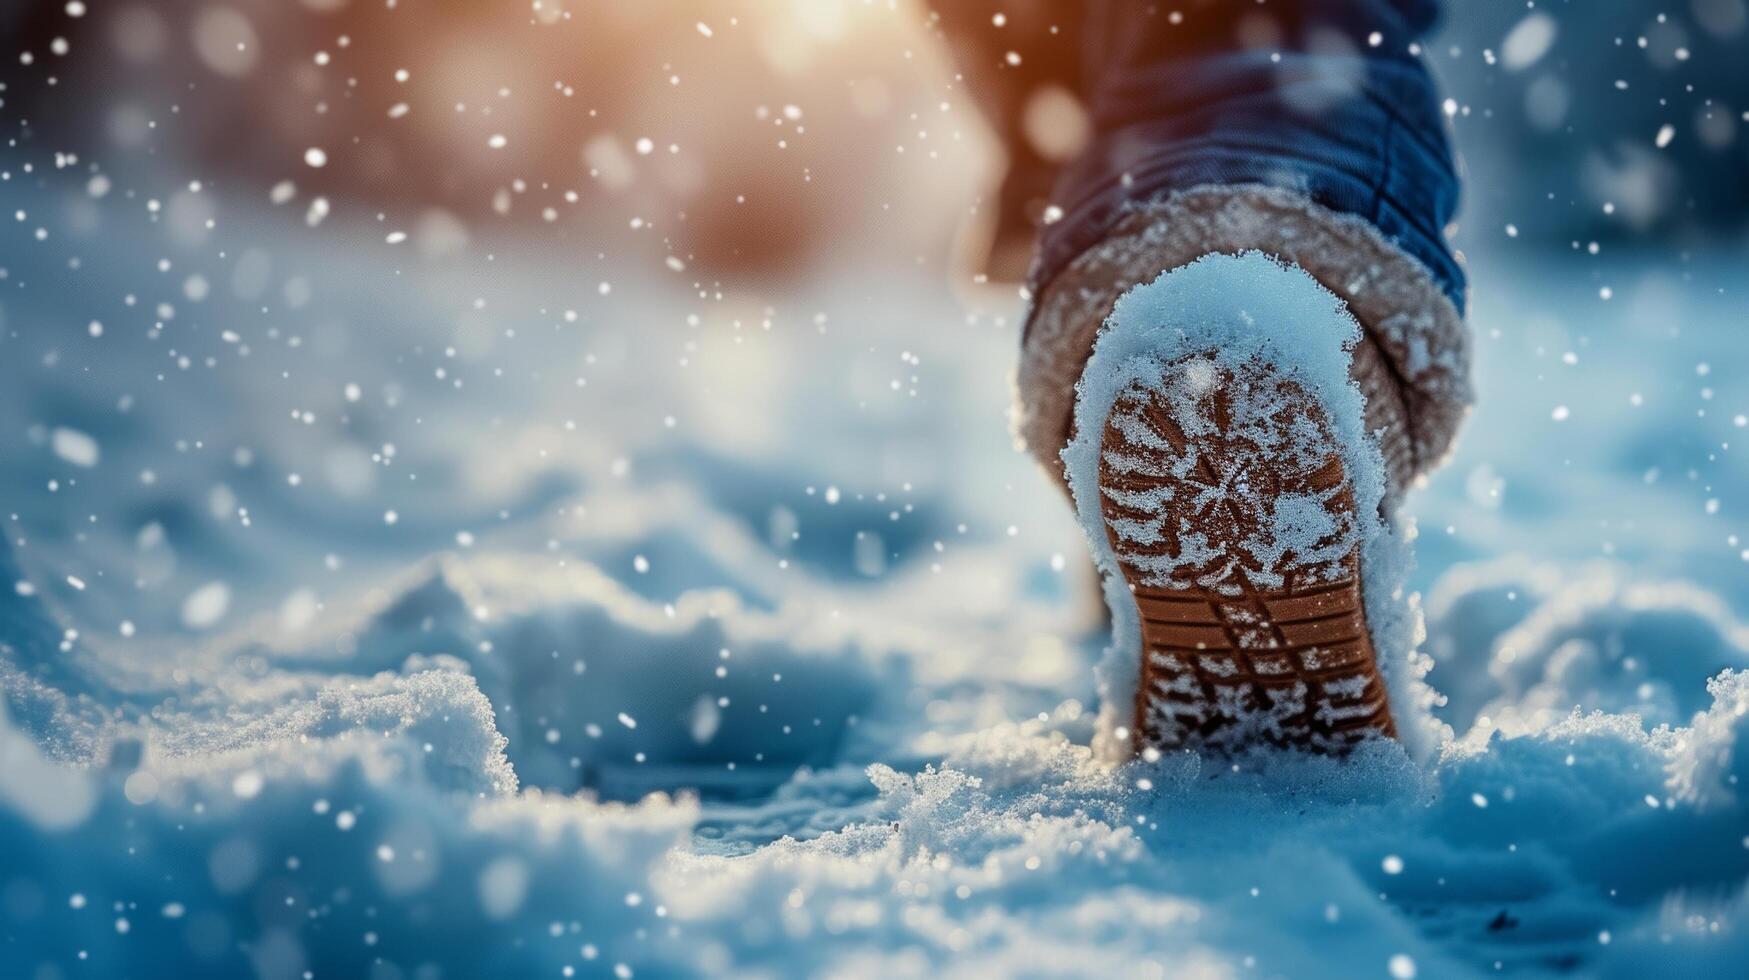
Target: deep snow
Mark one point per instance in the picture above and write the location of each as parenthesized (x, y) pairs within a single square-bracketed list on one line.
[(353, 612)]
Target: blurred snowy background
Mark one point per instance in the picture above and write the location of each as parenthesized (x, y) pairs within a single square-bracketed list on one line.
[(524, 489)]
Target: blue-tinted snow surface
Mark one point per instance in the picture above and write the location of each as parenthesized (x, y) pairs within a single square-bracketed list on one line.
[(365, 614)]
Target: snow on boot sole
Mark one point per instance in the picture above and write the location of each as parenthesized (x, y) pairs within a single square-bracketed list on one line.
[(1233, 488), (1232, 519)]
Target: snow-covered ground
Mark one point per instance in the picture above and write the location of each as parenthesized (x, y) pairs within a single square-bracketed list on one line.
[(367, 614)]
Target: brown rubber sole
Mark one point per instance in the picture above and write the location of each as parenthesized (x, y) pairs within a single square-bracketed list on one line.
[(1232, 518)]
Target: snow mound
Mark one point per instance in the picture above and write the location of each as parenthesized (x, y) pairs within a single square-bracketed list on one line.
[(291, 809), (1600, 638)]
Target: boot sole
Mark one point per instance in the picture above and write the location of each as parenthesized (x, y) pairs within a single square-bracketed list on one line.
[(1232, 517)]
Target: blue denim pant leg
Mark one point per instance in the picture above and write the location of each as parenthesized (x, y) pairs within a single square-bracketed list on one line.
[(1324, 97)]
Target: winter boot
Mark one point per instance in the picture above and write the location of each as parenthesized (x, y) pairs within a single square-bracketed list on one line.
[(1237, 386)]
